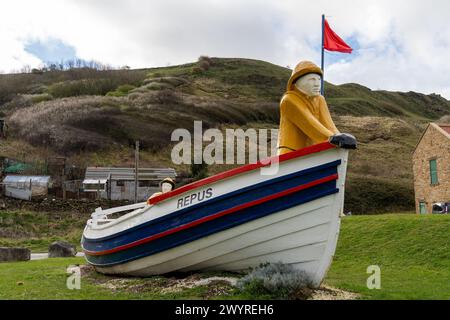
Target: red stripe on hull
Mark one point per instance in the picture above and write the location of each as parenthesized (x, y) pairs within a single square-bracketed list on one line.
[(230, 173), (214, 216)]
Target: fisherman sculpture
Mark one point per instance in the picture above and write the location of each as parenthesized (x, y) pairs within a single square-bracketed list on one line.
[(304, 116), (167, 185)]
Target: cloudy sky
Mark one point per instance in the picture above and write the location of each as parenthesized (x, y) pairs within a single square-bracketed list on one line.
[(399, 45)]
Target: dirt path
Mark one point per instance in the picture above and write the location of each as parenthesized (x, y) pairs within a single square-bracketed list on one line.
[(40, 256)]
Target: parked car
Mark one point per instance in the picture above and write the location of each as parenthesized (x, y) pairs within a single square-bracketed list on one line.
[(441, 208)]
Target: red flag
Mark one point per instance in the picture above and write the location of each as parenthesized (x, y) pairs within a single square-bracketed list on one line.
[(332, 42)]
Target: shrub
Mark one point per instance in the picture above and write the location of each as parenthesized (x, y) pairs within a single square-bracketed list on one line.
[(204, 65), (125, 88), (154, 75), (280, 281), (115, 94), (157, 86), (205, 59), (37, 71), (167, 96), (445, 119), (41, 97), (169, 81), (196, 70), (199, 171), (81, 87), (37, 89), (121, 91)]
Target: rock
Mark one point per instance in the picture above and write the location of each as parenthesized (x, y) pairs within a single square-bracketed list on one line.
[(14, 254), (61, 249)]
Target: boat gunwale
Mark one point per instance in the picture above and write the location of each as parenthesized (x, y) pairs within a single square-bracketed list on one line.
[(242, 169)]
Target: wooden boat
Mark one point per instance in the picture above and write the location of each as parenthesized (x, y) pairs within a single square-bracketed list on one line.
[(232, 221)]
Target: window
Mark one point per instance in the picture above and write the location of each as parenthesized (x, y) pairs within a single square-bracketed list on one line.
[(94, 187), (120, 183), (148, 183), (433, 172), (422, 207)]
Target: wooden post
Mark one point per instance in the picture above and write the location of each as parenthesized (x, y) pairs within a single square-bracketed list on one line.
[(136, 170), (63, 184)]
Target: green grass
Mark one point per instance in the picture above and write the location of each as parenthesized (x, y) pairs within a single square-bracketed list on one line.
[(47, 280), (412, 251), (36, 230)]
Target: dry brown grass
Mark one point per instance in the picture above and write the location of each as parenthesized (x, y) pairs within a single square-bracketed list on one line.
[(61, 124), (444, 119)]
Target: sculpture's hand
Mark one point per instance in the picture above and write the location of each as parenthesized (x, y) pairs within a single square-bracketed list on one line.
[(344, 140)]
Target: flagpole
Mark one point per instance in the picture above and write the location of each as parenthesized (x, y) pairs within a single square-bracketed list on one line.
[(323, 53)]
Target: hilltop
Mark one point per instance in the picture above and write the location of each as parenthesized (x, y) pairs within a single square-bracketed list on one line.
[(93, 118)]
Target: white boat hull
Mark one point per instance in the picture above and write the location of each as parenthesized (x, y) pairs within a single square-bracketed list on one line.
[(303, 235)]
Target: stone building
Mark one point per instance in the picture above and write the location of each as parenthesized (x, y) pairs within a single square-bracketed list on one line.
[(431, 167)]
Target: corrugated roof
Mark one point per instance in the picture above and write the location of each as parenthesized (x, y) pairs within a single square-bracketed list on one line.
[(9, 179), (96, 173)]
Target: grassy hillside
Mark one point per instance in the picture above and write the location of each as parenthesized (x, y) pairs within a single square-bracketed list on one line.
[(413, 253), (94, 117)]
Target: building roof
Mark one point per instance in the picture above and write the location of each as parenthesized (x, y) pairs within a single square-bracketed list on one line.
[(105, 173), (445, 127), (441, 127), (12, 179)]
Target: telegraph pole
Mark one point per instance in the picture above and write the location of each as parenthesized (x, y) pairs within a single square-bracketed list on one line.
[(136, 170)]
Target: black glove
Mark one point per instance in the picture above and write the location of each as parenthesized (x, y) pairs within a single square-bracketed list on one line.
[(344, 140)]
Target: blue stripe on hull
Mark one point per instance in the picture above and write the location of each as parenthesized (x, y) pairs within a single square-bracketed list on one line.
[(215, 226), (213, 206), (202, 209)]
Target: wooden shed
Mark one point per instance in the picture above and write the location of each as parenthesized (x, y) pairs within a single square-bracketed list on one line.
[(118, 183)]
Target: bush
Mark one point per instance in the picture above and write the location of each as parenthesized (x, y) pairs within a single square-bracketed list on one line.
[(196, 70), (167, 96), (41, 97), (157, 86), (205, 59), (115, 94), (445, 119), (278, 280), (125, 88), (199, 171), (121, 91), (204, 65), (154, 75), (81, 87)]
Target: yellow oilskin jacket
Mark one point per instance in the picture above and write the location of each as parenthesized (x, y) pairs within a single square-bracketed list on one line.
[(304, 120)]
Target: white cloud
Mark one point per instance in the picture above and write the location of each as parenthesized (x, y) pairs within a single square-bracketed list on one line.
[(404, 43)]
